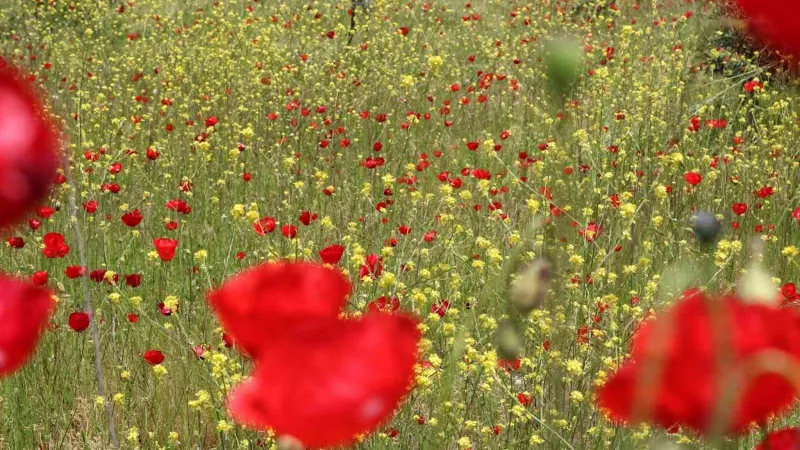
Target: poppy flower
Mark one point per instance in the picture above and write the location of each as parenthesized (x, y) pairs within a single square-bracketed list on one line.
[(73, 272), (306, 217), (786, 439), (16, 242), (40, 278), (24, 312), (591, 232), (774, 23), (384, 304), (55, 245), (289, 231), (179, 206), (326, 383), (90, 207), (132, 218), (789, 293), (262, 302), (79, 321), (133, 280), (373, 266), (28, 149), (264, 225), (685, 390), (332, 254), (165, 248), (693, 178), (739, 208), (153, 357)]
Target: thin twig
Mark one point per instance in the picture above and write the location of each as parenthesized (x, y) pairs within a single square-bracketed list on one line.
[(87, 302)]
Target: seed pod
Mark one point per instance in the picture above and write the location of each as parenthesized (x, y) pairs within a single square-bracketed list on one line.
[(564, 60), (289, 443), (509, 344), (706, 227), (530, 286)]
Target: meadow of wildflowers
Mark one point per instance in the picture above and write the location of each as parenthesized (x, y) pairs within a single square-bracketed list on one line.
[(399, 224)]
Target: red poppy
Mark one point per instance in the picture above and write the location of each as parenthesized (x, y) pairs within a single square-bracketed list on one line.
[(786, 439), (289, 231), (591, 232), (79, 321), (165, 248), (326, 383), (178, 206), (739, 208), (686, 390), (73, 272), (90, 207), (384, 304), (264, 225), (789, 293), (24, 312), (153, 357), (28, 149), (259, 304), (133, 280), (132, 218), (39, 278), (55, 246), (373, 266), (16, 242), (211, 121), (306, 217), (796, 214), (332, 254), (774, 22), (440, 308), (693, 178), (45, 212)]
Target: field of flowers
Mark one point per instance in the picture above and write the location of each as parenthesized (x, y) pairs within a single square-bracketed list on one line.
[(529, 179)]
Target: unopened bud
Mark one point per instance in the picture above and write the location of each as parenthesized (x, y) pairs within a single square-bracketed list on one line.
[(564, 61), (289, 443), (757, 286), (706, 227), (530, 286), (509, 344)]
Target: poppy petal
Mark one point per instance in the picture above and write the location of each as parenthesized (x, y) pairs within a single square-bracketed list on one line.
[(24, 312), (324, 384), (259, 303)]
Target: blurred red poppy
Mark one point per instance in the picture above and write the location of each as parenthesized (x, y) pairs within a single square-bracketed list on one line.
[(28, 149), (774, 22), (326, 383), (332, 254), (685, 389), (79, 321), (24, 312), (153, 357), (165, 248), (259, 304), (132, 218), (786, 439), (55, 245)]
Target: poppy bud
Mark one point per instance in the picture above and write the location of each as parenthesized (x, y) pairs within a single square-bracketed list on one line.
[(706, 227), (289, 443), (756, 286), (509, 343), (530, 286), (563, 59)]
